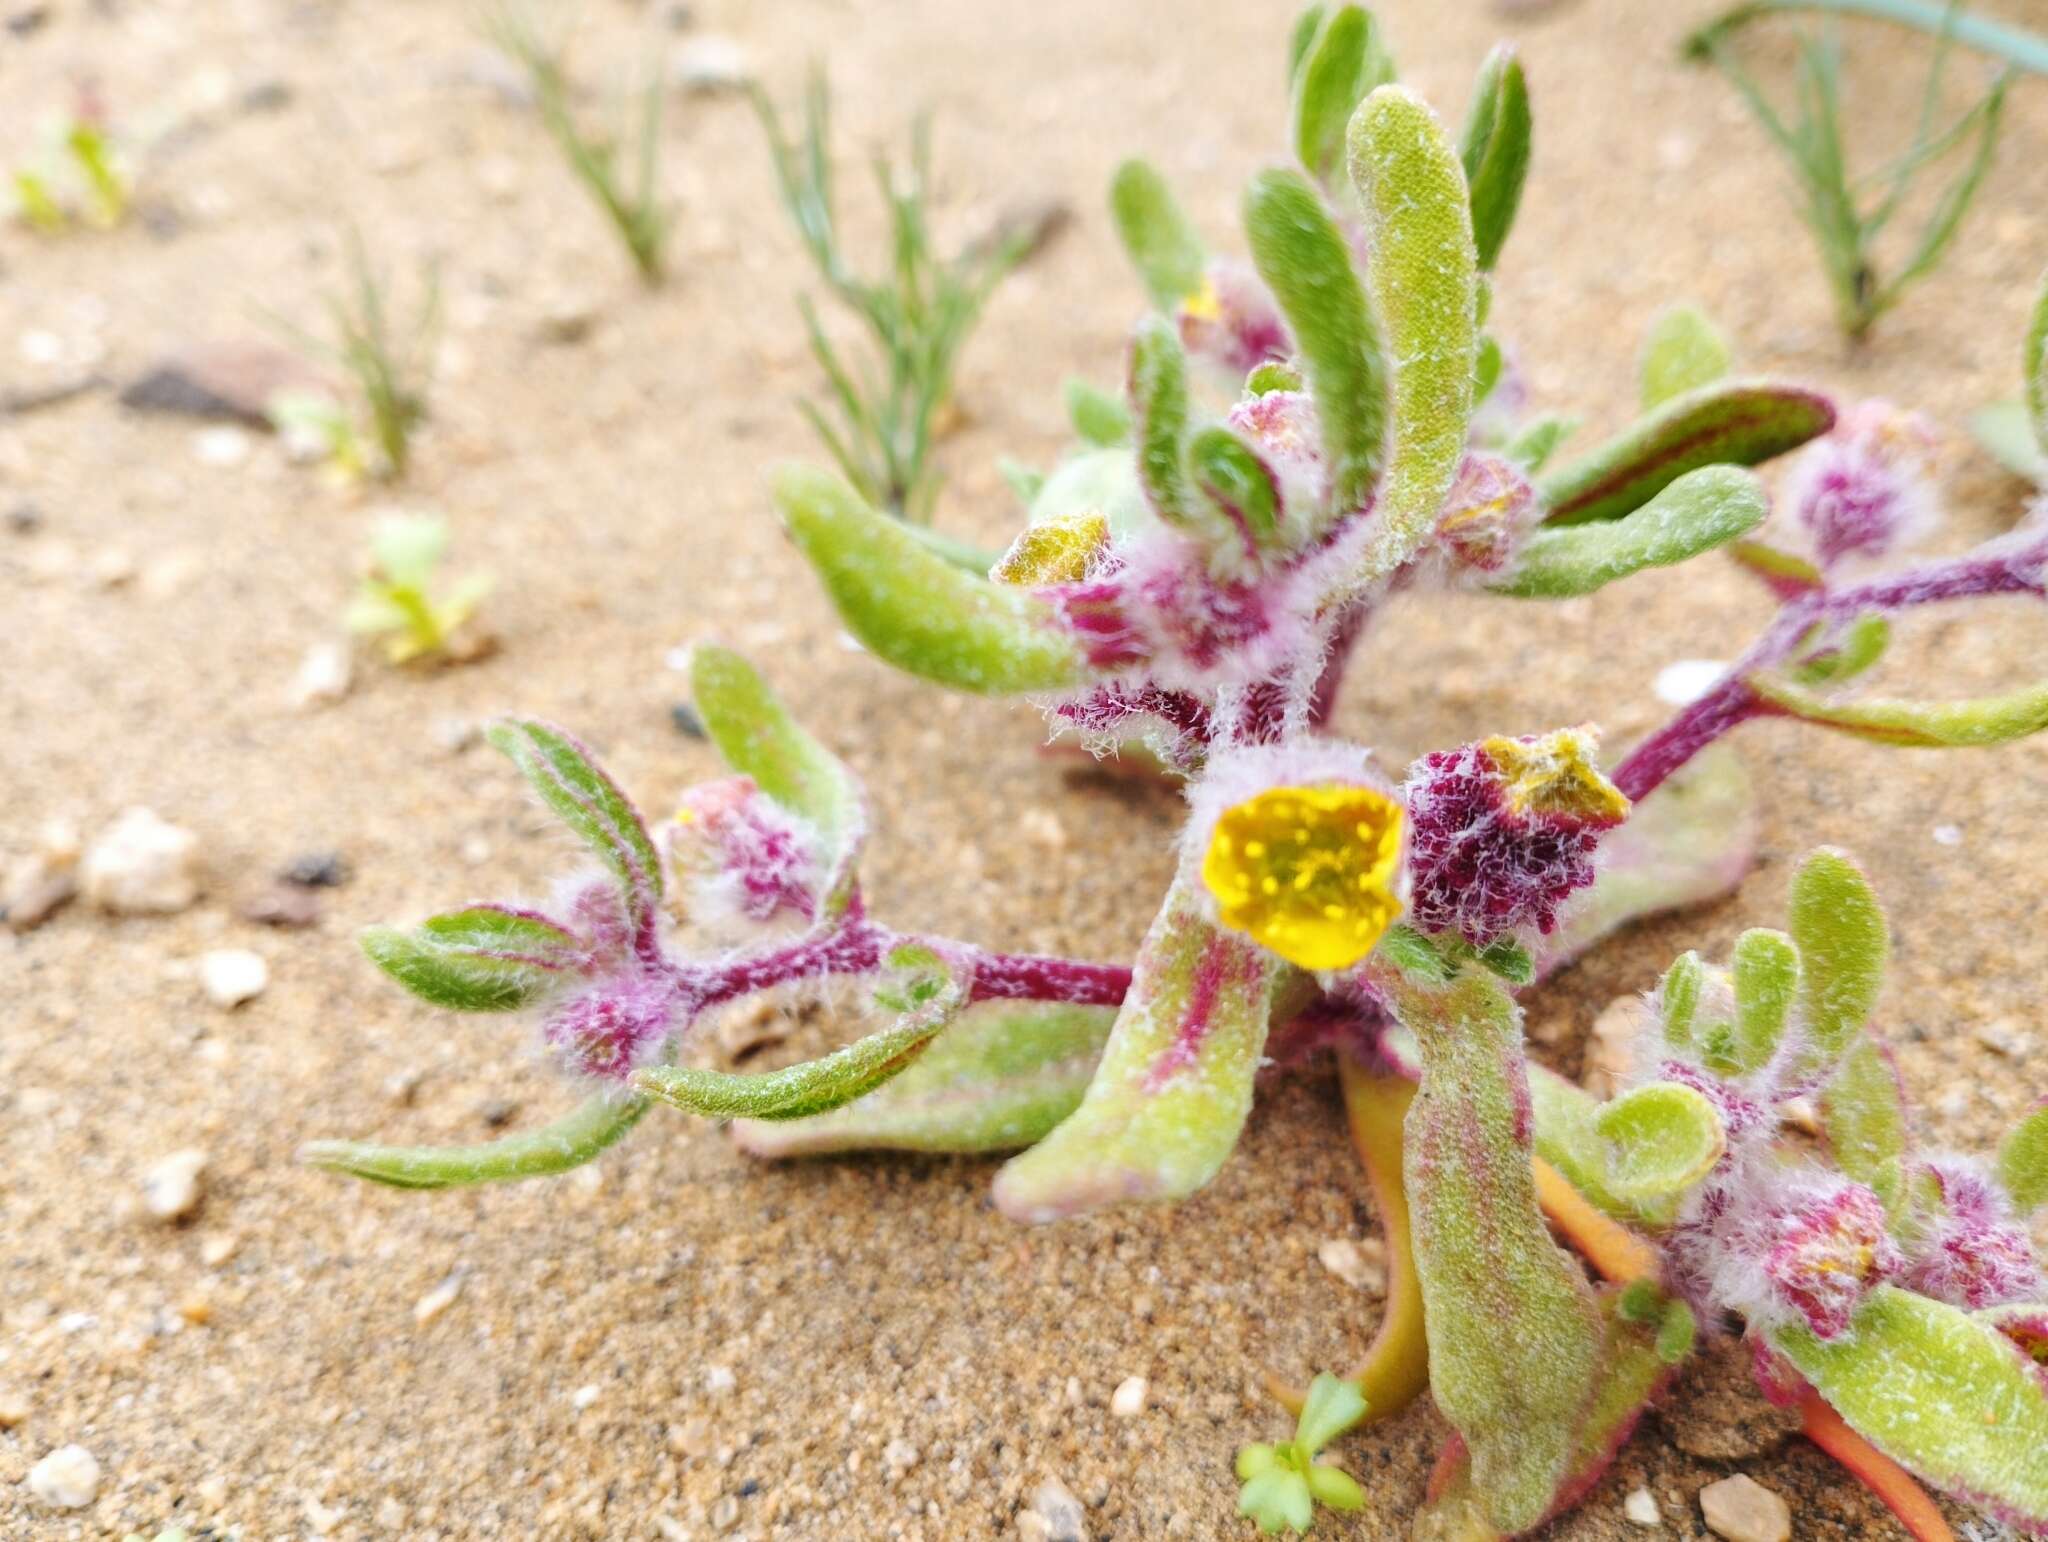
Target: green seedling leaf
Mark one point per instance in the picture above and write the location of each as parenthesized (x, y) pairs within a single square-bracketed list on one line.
[(1303, 258), (1494, 150), (589, 802), (1163, 246), (1971, 723), (1564, 1115), (1484, 1251), (2006, 429), (1333, 1405), (486, 958), (757, 737), (1742, 422), (1839, 929), (1098, 417), (1277, 1499), (1863, 1112), (2023, 1161), (1860, 644), (1175, 1083), (1660, 1139), (1343, 62), (1159, 410), (916, 610), (928, 994), (1765, 970), (1237, 487), (1678, 998), (1424, 282), (600, 1121), (1685, 352), (1279, 1481), (1486, 369), (1000, 1078), (1510, 960), (1944, 1394), (1699, 511)]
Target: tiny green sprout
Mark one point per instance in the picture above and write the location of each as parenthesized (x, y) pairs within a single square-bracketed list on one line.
[(1848, 212), (79, 176), (391, 369), (317, 423), (1282, 1484), (918, 313), (636, 209), (397, 601)]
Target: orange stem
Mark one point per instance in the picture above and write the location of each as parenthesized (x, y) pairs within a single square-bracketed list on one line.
[(1877, 1472), (1618, 1253)]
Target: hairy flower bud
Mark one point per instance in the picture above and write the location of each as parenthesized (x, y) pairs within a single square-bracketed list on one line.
[(736, 853), (1490, 508), (1861, 492), (1231, 320), (1972, 1253), (1828, 1254), (609, 1032), (1504, 832)]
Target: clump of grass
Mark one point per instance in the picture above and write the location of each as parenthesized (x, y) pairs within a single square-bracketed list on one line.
[(918, 312), (636, 210), (1848, 212), (398, 602), (79, 176), (391, 368)]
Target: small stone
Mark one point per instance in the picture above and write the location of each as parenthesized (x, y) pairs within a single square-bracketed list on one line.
[(216, 1248), (231, 976), (899, 1456), (390, 1513), (1800, 1114), (212, 1491), (67, 1479), (24, 519), (707, 65), (475, 850), (1640, 1508), (14, 1407), (282, 905), (687, 723), (1685, 682), (1055, 1515), (325, 674), (690, 1438), (584, 1396), (1743, 1510), (439, 1299), (497, 1112), (2004, 1037), (725, 1514), (35, 888), (1362, 1265), (567, 318), (751, 1028), (1128, 1401), (196, 1309), (453, 735), (225, 447), (141, 866), (170, 1186), (234, 381), (316, 870), (1043, 826), (719, 1380), (1948, 835)]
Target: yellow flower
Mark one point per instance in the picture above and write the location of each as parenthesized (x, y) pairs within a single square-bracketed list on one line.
[(1557, 774), (1203, 303), (1308, 871), (1054, 551)]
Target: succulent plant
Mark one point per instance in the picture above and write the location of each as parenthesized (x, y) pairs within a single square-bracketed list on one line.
[(1302, 438)]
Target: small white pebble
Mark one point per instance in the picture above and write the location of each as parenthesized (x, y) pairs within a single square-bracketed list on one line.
[(1363, 1266), (231, 976), (1743, 1510), (439, 1299), (217, 1248), (223, 446), (719, 1379), (1948, 835), (325, 675), (67, 1479), (584, 1396), (1640, 1508), (141, 865), (170, 1186), (14, 1407), (899, 1456), (1128, 1401), (1683, 683)]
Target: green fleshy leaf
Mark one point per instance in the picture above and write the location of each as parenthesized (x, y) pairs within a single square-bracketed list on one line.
[(1839, 929), (1175, 1083), (1861, 644), (484, 958), (1678, 998), (1159, 411), (1775, 567), (1303, 258), (1765, 971), (1344, 61), (1661, 1139), (1535, 444), (2006, 430), (570, 1141), (1742, 422), (1238, 489), (1306, 26), (914, 609), (1509, 959), (1484, 1252), (1277, 1500), (1701, 510), (1971, 723), (1677, 1333), (1163, 246), (1334, 1488), (1272, 375), (1333, 1405), (2023, 1161), (1685, 352), (1563, 1115), (757, 737), (1863, 1111), (1424, 282), (1494, 150), (585, 799), (1098, 417), (929, 995), (1414, 954), (1487, 365), (1000, 1078), (1945, 1395)]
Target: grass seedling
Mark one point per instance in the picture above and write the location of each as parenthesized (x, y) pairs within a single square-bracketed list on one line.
[(397, 601), (391, 369), (918, 313), (636, 211), (1848, 212), (78, 177)]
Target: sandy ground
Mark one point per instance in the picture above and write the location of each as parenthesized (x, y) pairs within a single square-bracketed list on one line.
[(677, 1340)]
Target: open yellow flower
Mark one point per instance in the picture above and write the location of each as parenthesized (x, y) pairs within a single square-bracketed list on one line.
[(1308, 872)]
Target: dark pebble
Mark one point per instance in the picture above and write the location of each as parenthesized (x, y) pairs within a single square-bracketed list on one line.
[(688, 724), (316, 870)]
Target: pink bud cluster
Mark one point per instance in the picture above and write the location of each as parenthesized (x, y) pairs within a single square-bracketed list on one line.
[(1972, 1251), (735, 853), (1861, 493), (1491, 508), (1231, 321)]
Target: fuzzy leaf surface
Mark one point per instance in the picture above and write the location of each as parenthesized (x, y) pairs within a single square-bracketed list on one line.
[(1863, 1112), (2034, 368), (485, 958), (2023, 1161), (1159, 410), (1343, 61), (1740, 422), (1494, 150), (916, 610), (1839, 929), (1701, 510), (2006, 429), (1765, 970), (1661, 1139), (599, 1122), (1970, 723), (1163, 246), (1684, 352), (1098, 417), (588, 801)]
